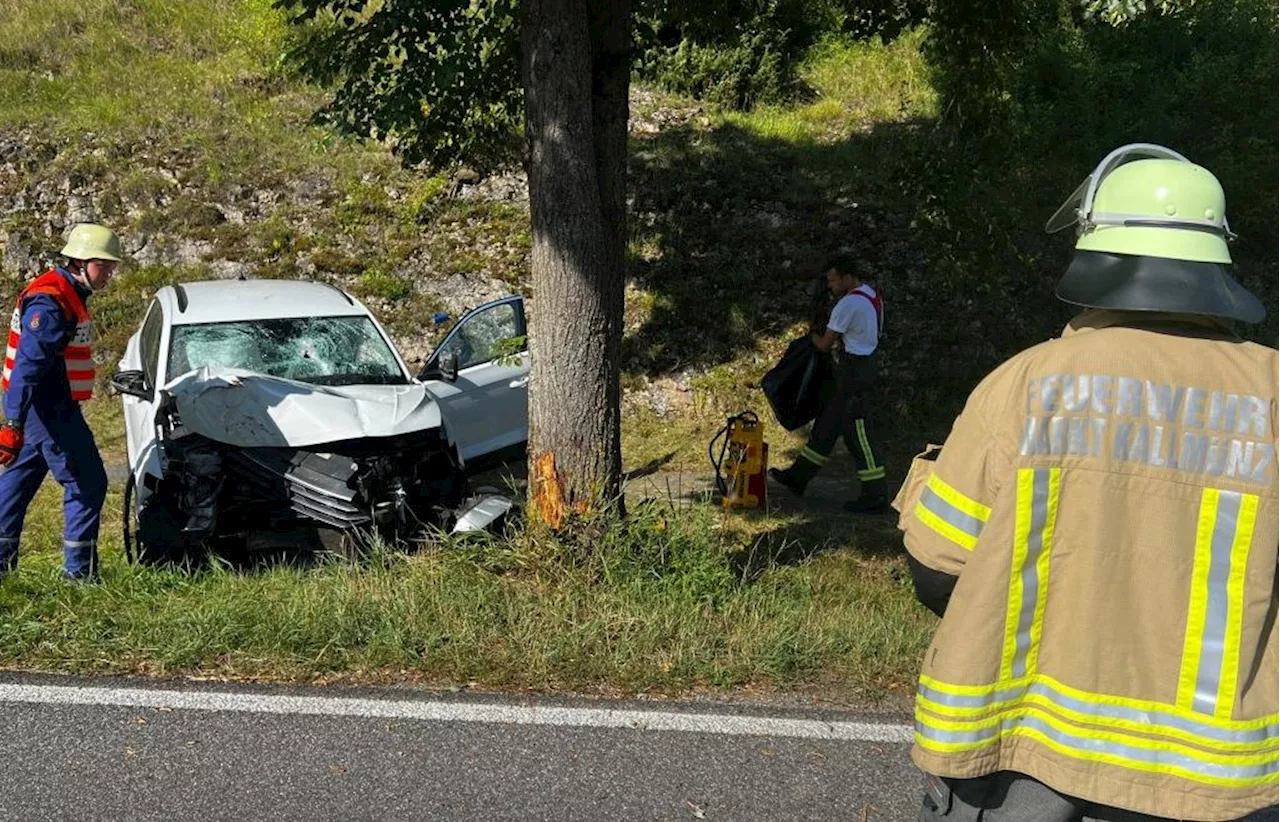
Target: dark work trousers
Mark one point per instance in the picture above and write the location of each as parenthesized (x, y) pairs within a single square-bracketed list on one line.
[(845, 414), (68, 451), (1012, 797)]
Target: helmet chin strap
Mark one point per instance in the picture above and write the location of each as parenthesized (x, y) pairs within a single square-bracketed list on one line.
[(78, 271)]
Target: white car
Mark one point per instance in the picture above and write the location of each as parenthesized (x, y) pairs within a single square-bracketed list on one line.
[(272, 411)]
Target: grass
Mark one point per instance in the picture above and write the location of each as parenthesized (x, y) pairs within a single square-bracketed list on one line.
[(683, 598), (121, 68)]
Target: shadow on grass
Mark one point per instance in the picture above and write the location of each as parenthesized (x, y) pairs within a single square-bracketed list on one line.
[(650, 468), (790, 531), (730, 224), (730, 229), (800, 542)]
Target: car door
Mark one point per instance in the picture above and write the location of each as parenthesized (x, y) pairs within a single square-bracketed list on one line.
[(144, 352), (486, 408)]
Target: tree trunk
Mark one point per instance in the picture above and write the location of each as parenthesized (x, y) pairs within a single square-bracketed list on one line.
[(576, 75)]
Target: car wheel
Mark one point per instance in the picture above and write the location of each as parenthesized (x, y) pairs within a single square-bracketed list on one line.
[(155, 536)]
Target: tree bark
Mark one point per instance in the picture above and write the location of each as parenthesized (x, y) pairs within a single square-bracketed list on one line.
[(576, 63)]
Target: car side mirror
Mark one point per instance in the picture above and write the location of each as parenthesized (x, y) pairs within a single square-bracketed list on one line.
[(131, 382), (448, 364), (444, 366)]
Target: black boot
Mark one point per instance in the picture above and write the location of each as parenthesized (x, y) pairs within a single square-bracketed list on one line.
[(796, 478), (874, 498)]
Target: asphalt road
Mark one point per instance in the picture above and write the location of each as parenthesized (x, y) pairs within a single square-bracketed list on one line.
[(86, 749)]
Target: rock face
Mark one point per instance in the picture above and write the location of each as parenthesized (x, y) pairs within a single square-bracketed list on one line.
[(723, 251), (174, 219)]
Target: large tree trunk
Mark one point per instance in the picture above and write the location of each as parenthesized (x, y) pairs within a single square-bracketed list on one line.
[(576, 76)]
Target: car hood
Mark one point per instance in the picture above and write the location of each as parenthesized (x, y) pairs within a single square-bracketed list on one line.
[(248, 409)]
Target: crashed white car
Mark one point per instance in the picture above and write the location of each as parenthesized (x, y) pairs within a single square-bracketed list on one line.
[(277, 412)]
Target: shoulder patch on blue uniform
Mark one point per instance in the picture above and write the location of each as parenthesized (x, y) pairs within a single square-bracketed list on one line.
[(35, 321)]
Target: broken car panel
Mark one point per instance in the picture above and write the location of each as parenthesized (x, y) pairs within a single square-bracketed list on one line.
[(284, 411)]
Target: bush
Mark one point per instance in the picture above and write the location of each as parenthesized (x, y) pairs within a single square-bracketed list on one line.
[(740, 54), (1035, 93)]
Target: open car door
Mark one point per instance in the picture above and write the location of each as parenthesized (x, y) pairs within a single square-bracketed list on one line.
[(480, 376)]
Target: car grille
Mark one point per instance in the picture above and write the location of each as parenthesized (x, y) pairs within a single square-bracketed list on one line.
[(319, 487)]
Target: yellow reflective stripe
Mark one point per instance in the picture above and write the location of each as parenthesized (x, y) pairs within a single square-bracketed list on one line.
[(1235, 606), (975, 690), (1021, 536), (980, 691), (1110, 759), (1210, 663), (953, 747), (1258, 767), (958, 500), (867, 453), (1143, 743), (1126, 762), (813, 456), (944, 528), (1199, 605), (1035, 518), (1042, 567), (1046, 701)]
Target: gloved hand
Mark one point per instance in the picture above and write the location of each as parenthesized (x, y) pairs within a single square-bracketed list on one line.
[(10, 443)]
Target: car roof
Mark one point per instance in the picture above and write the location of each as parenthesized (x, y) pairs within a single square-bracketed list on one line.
[(216, 301)]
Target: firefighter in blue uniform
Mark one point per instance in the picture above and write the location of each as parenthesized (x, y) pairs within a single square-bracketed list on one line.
[(48, 372)]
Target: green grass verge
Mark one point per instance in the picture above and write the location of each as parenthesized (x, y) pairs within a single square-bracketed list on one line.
[(681, 598)]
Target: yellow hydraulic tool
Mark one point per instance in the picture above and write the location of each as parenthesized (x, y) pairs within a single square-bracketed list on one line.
[(742, 465)]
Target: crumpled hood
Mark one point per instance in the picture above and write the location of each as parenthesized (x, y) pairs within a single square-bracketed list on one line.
[(248, 409)]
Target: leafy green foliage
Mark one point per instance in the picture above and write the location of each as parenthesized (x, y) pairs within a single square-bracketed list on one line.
[(1035, 93), (1119, 12), (740, 54), (437, 80)]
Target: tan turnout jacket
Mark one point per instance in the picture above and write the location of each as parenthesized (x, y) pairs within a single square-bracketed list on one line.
[(1108, 500)]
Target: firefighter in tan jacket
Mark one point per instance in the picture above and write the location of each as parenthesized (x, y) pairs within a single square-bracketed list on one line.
[(1099, 535)]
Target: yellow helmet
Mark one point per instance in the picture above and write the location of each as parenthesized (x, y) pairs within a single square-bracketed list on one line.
[(1152, 236), (88, 241)]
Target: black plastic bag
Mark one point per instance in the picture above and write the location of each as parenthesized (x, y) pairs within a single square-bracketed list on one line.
[(794, 386)]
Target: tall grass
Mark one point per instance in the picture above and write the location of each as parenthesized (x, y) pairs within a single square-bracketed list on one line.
[(101, 65), (665, 607), (854, 84)]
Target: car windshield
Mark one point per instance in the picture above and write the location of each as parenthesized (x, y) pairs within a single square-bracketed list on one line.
[(316, 350)]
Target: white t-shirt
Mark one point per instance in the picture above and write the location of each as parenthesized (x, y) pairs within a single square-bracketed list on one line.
[(854, 319)]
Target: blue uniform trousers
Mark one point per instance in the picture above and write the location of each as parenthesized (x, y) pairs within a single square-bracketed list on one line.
[(67, 449)]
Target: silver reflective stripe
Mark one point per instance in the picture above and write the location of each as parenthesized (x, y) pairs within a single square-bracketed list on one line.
[(9, 540), (1156, 718), (1029, 572), (84, 543), (969, 700), (1209, 674), (954, 737), (950, 514), (1092, 747)]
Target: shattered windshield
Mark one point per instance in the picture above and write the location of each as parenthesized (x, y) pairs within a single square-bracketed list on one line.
[(316, 350)]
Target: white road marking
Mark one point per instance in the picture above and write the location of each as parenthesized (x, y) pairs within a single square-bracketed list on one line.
[(457, 712)]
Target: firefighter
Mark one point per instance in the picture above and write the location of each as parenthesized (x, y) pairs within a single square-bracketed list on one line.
[(48, 372), (1099, 535), (853, 336)]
